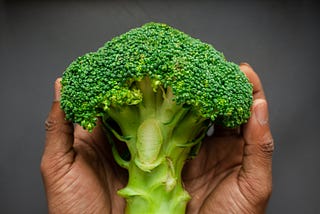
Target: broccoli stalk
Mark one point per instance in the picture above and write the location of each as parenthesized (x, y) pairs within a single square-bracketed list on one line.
[(157, 90), (155, 132)]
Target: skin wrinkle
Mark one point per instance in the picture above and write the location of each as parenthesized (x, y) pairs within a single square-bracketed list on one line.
[(240, 204), (53, 170), (205, 176), (95, 148), (61, 189), (228, 197), (247, 185), (267, 147), (84, 195), (93, 205), (243, 184), (210, 176), (263, 149), (243, 209), (53, 129), (76, 181), (213, 172), (53, 166), (217, 177), (53, 126)]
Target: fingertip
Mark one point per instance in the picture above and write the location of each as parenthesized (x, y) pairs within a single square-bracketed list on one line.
[(260, 110), (259, 117), (253, 78), (57, 89), (245, 65), (56, 114), (257, 130), (246, 68)]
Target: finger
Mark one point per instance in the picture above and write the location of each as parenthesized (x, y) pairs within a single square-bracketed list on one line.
[(259, 146), (59, 132), (254, 79)]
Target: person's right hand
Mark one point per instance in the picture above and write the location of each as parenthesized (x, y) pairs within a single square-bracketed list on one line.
[(79, 173)]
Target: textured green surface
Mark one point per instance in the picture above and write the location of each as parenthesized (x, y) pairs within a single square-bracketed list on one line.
[(199, 76)]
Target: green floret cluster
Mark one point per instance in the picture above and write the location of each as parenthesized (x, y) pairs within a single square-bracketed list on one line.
[(199, 76), (156, 89)]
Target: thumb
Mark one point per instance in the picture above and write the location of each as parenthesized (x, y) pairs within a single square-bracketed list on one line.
[(59, 132), (258, 149)]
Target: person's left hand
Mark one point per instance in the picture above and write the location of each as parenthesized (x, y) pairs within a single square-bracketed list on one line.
[(233, 171)]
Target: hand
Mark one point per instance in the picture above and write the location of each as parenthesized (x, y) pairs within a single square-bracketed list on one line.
[(232, 172), (78, 170)]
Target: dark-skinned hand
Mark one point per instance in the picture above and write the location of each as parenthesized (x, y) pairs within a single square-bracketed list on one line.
[(231, 174)]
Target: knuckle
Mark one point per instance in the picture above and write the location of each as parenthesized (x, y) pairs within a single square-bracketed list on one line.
[(267, 147), (56, 118), (50, 124)]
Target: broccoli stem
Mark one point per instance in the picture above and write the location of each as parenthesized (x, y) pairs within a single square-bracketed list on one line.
[(157, 191), (160, 139)]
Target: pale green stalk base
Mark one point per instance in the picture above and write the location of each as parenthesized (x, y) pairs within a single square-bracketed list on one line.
[(160, 136), (155, 192), (155, 166)]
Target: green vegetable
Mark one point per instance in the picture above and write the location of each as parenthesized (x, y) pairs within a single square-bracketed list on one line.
[(157, 90)]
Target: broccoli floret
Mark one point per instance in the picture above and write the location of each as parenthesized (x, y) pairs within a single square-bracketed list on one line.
[(157, 90)]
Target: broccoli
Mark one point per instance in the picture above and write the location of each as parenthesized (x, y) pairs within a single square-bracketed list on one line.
[(156, 90)]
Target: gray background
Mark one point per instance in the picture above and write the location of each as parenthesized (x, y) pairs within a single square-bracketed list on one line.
[(280, 39)]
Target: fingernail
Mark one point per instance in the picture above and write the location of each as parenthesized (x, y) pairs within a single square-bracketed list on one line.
[(245, 64), (261, 111), (57, 88)]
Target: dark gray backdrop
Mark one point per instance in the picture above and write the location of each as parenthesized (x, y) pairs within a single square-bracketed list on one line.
[(280, 39)]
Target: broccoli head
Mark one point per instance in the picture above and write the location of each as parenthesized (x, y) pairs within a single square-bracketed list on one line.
[(157, 90)]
